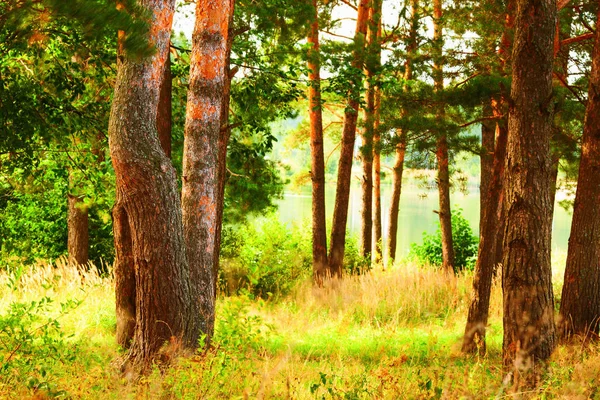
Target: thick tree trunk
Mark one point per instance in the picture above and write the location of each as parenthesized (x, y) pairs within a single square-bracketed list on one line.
[(529, 334), (443, 173), (149, 241), (164, 117), (474, 337), (580, 305), (400, 149), (342, 193), (319, 231), (200, 190), (77, 231)]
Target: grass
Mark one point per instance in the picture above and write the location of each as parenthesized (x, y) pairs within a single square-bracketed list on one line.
[(388, 334)]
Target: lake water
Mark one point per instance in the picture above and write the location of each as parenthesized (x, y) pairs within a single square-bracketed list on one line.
[(416, 212)]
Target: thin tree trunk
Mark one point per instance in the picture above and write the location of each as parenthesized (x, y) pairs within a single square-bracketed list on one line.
[(200, 189), (486, 161), (366, 150), (149, 241), (377, 228), (529, 333), (491, 225), (474, 336), (223, 143), (77, 231), (374, 37), (342, 194), (319, 231), (164, 117), (443, 173), (400, 148), (580, 305)]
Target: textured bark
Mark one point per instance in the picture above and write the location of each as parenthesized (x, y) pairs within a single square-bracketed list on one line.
[(400, 149), (377, 228), (529, 333), (342, 193), (200, 189), (580, 305), (486, 161), (151, 263), (223, 143), (319, 231), (441, 153), (164, 117), (491, 224), (77, 231), (474, 337), (366, 150)]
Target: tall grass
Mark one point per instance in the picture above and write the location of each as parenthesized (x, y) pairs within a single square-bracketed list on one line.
[(386, 334)]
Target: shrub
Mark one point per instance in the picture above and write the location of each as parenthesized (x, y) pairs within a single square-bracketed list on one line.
[(266, 259), (465, 245)]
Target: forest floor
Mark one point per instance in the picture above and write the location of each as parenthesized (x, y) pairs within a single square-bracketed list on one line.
[(387, 334)]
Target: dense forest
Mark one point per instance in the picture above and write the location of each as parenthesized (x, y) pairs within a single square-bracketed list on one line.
[(146, 147)]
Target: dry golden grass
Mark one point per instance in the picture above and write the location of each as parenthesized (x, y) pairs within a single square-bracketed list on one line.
[(384, 335)]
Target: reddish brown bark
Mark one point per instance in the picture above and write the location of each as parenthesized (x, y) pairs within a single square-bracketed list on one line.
[(366, 150), (400, 150), (486, 160), (377, 228), (319, 232), (223, 142), (491, 225), (77, 231), (580, 305), (529, 333), (148, 227), (342, 194), (164, 117), (200, 189), (474, 337), (441, 153)]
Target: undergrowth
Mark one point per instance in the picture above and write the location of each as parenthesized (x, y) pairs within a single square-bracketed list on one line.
[(384, 334)]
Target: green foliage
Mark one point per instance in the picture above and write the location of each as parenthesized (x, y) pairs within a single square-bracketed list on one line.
[(465, 245), (33, 343), (266, 260)]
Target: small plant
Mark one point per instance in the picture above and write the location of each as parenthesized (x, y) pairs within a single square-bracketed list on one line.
[(465, 245), (32, 344)]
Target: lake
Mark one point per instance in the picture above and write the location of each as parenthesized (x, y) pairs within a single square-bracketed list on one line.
[(416, 212)]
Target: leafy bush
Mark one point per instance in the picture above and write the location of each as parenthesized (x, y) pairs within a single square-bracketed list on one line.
[(465, 245), (266, 260), (33, 344)]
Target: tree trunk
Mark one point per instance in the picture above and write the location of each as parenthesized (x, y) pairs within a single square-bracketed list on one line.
[(400, 149), (223, 143), (486, 161), (200, 189), (580, 305), (443, 173), (152, 277), (374, 100), (474, 336), (366, 150), (77, 231), (319, 231), (164, 117), (529, 334), (491, 224), (377, 228), (342, 193)]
